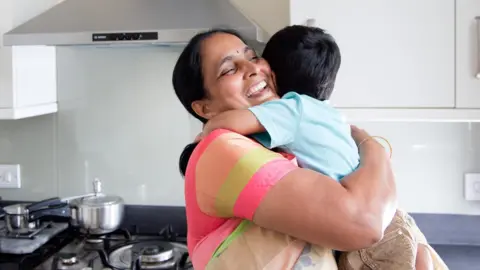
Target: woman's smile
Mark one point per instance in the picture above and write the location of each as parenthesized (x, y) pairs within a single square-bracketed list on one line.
[(260, 91)]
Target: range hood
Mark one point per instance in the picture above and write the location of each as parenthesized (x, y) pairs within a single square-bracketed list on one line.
[(110, 22)]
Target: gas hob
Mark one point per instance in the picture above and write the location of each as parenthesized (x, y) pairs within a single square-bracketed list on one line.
[(120, 250)]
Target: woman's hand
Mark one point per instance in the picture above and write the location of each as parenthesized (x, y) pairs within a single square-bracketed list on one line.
[(368, 147), (378, 196)]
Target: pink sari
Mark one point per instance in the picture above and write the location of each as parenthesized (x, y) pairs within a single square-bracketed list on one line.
[(227, 177)]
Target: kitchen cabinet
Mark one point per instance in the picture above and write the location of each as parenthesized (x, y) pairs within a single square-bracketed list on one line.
[(395, 54), (399, 61), (468, 54), (27, 73)]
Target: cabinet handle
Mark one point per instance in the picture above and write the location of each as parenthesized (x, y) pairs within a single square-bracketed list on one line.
[(478, 46)]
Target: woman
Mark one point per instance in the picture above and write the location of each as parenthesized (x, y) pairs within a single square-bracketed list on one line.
[(240, 194)]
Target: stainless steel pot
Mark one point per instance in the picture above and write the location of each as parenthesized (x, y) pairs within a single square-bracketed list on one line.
[(97, 213), (25, 217)]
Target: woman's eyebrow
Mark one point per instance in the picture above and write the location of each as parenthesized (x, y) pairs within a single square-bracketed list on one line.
[(230, 57), (225, 59)]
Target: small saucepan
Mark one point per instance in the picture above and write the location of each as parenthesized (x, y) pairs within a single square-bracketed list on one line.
[(98, 213), (25, 217)]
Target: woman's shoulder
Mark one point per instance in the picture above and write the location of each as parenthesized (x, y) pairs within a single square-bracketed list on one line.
[(223, 149), (193, 151), (225, 165), (222, 136), (224, 143), (224, 153)]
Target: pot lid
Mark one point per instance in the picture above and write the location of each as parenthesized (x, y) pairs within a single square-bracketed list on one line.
[(101, 199)]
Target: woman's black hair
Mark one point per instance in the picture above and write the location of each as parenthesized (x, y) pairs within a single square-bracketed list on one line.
[(188, 83)]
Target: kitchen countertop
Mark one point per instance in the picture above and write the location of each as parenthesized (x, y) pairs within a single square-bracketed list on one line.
[(449, 229), (455, 237), (440, 229), (460, 257)]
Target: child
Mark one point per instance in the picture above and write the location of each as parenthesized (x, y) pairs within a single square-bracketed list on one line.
[(305, 61)]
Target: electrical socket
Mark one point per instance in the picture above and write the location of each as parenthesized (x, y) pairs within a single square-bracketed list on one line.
[(472, 186), (10, 176)]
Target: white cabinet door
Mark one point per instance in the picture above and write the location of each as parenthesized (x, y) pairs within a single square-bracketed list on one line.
[(27, 73), (6, 17), (395, 54), (468, 54)]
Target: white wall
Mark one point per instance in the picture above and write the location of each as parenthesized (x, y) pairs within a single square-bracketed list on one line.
[(119, 120)]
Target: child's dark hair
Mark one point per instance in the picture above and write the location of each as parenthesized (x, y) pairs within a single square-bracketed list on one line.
[(305, 60)]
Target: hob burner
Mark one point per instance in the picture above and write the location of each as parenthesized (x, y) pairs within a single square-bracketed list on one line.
[(156, 253), (149, 254), (68, 258), (68, 261)]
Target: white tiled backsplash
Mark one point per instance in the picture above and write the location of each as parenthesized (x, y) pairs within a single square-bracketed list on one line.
[(119, 120)]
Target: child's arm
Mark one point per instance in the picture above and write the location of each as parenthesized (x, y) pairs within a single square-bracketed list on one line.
[(424, 258), (242, 122), (279, 118)]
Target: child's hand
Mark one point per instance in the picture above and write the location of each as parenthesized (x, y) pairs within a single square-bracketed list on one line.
[(199, 137), (240, 121), (208, 127)]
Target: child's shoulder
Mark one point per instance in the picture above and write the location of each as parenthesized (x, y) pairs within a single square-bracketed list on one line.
[(313, 107), (321, 104), (295, 95)]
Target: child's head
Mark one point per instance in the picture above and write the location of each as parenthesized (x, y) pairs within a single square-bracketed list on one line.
[(305, 60)]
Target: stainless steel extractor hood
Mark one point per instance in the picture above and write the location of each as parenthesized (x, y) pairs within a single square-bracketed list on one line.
[(110, 22)]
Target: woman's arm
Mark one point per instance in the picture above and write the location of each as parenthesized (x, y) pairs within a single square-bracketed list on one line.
[(236, 177), (313, 207), (374, 181)]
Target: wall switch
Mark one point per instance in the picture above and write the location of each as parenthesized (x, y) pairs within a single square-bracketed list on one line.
[(472, 186), (10, 176)]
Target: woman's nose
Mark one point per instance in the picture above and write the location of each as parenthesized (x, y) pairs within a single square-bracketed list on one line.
[(251, 69)]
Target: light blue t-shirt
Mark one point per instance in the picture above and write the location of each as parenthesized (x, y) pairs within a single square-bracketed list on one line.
[(311, 130)]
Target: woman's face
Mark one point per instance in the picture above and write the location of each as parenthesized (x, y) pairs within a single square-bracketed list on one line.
[(233, 76)]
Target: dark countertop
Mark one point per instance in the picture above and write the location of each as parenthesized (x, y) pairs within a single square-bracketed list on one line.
[(449, 229), (455, 237), (440, 229), (460, 257)]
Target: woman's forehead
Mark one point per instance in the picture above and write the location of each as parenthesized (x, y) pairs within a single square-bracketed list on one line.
[(221, 45)]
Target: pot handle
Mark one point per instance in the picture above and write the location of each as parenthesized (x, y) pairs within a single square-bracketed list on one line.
[(97, 186), (60, 210), (43, 204)]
